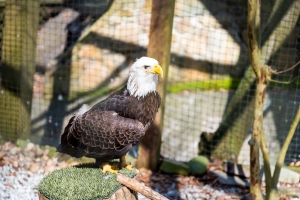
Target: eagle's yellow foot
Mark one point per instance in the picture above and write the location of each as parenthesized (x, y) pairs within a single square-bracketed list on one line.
[(109, 168), (127, 165)]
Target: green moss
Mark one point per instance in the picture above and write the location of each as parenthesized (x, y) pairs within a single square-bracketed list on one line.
[(22, 143), (228, 83), (85, 181)]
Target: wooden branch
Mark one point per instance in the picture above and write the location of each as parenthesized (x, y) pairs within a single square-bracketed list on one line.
[(284, 149), (254, 34), (266, 159), (258, 68), (295, 65), (138, 187)]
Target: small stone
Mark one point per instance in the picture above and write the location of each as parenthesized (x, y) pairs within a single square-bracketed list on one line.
[(34, 168), (21, 157), (37, 149), (7, 154), (2, 154), (39, 152), (25, 154), (49, 169), (29, 147), (6, 158), (27, 165), (45, 158), (31, 154), (43, 163), (50, 162), (46, 152), (28, 159), (182, 195), (14, 150), (297, 163), (15, 164), (21, 164), (196, 195), (292, 164)]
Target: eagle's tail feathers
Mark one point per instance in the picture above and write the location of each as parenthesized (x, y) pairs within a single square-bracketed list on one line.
[(62, 157)]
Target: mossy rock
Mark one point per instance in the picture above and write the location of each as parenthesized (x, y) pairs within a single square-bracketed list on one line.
[(198, 165), (174, 167), (22, 143), (84, 182)]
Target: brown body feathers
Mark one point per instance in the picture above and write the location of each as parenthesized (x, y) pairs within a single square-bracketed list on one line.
[(111, 127)]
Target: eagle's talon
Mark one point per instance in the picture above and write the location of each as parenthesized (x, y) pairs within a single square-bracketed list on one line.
[(131, 168), (109, 168), (127, 165)]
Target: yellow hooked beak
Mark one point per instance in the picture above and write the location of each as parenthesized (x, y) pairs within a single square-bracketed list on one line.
[(157, 70)]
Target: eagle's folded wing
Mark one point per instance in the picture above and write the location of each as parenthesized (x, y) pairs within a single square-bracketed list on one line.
[(102, 133)]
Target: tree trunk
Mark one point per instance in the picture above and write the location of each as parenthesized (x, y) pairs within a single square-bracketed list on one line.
[(159, 48), (18, 67)]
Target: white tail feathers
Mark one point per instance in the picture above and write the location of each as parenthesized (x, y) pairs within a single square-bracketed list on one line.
[(62, 157)]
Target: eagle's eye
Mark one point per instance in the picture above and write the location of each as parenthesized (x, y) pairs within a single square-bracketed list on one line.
[(146, 66)]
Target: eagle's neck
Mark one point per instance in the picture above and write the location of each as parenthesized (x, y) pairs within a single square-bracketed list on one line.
[(141, 86)]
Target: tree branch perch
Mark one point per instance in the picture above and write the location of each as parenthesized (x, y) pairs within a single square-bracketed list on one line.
[(138, 187)]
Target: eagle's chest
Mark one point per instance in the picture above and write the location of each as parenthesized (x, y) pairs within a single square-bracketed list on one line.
[(145, 108)]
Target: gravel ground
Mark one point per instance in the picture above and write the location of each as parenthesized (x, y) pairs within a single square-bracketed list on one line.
[(21, 169), (18, 183)]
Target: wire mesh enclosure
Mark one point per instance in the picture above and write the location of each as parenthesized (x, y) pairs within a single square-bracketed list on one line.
[(59, 54)]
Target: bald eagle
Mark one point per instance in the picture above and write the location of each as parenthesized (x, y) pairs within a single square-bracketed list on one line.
[(113, 126)]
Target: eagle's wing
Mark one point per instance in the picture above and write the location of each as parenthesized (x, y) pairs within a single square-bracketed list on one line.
[(104, 133), (119, 102)]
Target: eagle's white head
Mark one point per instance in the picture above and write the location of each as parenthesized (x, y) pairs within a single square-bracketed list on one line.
[(143, 76)]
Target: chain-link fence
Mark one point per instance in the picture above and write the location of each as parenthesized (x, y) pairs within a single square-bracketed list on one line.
[(84, 50)]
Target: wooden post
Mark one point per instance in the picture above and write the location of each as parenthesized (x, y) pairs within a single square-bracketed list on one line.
[(18, 67), (159, 48)]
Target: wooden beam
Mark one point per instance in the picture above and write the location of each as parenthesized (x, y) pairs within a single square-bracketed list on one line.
[(18, 66), (159, 48)]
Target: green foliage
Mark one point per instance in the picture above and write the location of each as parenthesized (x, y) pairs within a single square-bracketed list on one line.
[(198, 165), (84, 181)]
